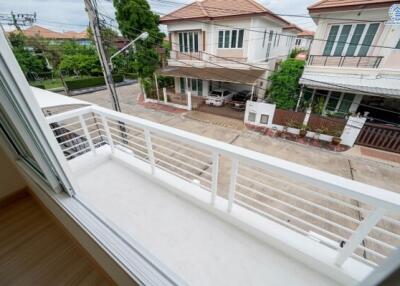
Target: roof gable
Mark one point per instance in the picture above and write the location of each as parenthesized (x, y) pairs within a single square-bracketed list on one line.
[(342, 5), (211, 9)]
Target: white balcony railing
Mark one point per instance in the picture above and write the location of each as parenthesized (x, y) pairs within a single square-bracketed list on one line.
[(356, 220)]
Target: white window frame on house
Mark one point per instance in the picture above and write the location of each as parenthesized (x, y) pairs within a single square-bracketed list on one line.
[(225, 42), (339, 103), (187, 41), (349, 38), (298, 42)]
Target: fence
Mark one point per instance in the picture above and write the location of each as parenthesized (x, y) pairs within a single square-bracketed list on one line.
[(287, 117), (380, 136), (319, 123)]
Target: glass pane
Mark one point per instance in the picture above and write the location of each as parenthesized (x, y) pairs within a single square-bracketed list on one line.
[(220, 38), (252, 117), (369, 37), (331, 40), (196, 42), (200, 86), (344, 34), (271, 35), (398, 45), (185, 42), (194, 84), (180, 42), (346, 102), (191, 42), (240, 41), (226, 40), (233, 40), (182, 84), (358, 31), (265, 36), (333, 101)]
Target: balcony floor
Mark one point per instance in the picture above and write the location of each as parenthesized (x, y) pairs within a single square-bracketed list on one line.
[(199, 247)]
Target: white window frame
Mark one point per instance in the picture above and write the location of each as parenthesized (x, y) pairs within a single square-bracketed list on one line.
[(328, 97), (230, 39), (350, 36), (183, 33)]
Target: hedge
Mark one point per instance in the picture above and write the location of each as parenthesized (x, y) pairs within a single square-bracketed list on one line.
[(90, 82), (39, 86)]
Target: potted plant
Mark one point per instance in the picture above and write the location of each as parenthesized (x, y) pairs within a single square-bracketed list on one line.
[(336, 138)]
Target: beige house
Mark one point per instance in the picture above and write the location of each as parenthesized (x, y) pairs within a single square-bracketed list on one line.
[(354, 62), (232, 48)]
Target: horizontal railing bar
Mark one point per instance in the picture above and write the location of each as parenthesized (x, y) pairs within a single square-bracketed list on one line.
[(293, 217), (182, 155), (140, 132), (308, 190), (70, 132), (75, 146), (126, 126), (144, 159), (362, 259), (65, 125), (100, 130), (127, 140), (157, 137), (208, 173), (80, 151), (127, 134), (298, 209), (75, 138), (387, 232), (132, 148), (301, 199), (302, 231), (68, 114), (94, 125), (182, 170)]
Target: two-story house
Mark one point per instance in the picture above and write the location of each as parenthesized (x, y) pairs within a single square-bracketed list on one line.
[(354, 62), (231, 44), (304, 40)]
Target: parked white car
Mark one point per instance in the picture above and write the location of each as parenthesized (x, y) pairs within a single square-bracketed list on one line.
[(219, 97)]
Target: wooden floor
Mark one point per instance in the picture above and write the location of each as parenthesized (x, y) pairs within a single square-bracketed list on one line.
[(35, 250)]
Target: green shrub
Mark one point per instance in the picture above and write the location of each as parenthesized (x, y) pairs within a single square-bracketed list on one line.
[(90, 82), (39, 86)]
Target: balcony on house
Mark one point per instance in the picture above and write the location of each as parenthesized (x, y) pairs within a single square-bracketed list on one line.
[(372, 62), (218, 214)]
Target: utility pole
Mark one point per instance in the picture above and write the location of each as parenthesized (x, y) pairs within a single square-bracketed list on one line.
[(91, 9)]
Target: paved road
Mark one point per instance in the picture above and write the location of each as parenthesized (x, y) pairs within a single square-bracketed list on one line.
[(381, 174)]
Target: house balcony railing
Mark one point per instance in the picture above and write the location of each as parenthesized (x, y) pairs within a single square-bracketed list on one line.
[(345, 61), (356, 222), (192, 56)]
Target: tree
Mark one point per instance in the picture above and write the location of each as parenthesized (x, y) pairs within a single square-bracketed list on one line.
[(285, 87), (135, 17), (80, 64), (29, 61)]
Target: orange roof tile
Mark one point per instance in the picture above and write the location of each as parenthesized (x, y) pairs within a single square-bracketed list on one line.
[(334, 5), (211, 9), (36, 30), (306, 33)]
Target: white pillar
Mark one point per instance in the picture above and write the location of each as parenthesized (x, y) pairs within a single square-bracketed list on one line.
[(307, 117), (164, 90), (352, 130), (189, 100), (300, 97), (356, 103), (158, 92)]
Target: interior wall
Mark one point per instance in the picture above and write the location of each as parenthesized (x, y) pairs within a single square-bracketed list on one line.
[(10, 177)]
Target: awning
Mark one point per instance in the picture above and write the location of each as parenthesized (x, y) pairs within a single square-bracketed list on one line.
[(244, 76), (48, 99), (377, 86)]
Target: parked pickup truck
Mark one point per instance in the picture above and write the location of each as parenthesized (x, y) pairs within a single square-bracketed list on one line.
[(239, 100), (219, 97)]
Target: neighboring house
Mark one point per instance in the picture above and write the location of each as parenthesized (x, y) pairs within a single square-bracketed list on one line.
[(213, 46), (304, 40), (354, 62), (56, 37)]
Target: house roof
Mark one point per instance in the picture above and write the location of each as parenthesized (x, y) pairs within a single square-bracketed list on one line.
[(335, 5), (306, 33), (212, 9), (36, 30), (248, 76), (293, 27)]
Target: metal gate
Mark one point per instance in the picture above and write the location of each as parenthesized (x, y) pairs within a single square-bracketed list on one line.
[(380, 137)]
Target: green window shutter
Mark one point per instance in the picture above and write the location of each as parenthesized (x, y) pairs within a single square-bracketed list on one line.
[(220, 39), (233, 39), (226, 40), (240, 40), (191, 42), (369, 37), (200, 87), (185, 42), (331, 40), (398, 45), (180, 42), (182, 84), (344, 34), (355, 40), (196, 42)]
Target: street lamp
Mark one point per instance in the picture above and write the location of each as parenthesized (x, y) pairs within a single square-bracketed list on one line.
[(143, 36)]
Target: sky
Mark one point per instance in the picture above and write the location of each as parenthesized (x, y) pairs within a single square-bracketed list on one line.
[(69, 15)]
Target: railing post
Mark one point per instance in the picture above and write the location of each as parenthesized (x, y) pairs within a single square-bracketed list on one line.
[(359, 234), (232, 184), (165, 96), (108, 133), (86, 132), (150, 152), (214, 182)]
